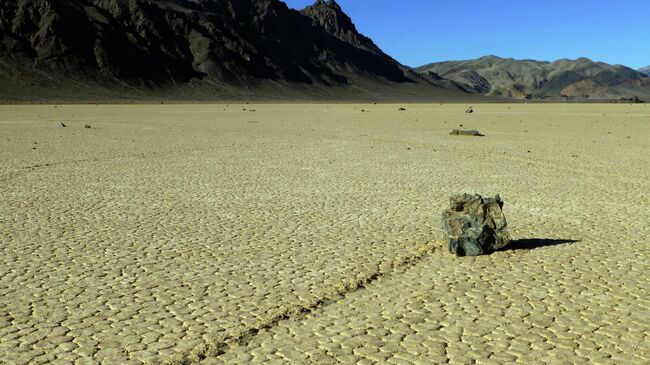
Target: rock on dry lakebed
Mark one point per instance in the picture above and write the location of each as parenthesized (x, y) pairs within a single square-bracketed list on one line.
[(475, 225), (461, 132)]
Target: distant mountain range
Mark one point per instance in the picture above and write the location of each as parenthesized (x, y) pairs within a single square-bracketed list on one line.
[(645, 70), (573, 79), (111, 50)]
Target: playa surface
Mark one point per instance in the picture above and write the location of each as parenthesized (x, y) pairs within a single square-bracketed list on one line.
[(312, 234)]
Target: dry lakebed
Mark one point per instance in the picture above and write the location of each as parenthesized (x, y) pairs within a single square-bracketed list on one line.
[(311, 234)]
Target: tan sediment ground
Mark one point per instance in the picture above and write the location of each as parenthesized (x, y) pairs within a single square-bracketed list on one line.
[(311, 234)]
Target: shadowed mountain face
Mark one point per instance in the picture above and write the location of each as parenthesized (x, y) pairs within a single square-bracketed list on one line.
[(330, 16), (579, 79), (205, 44)]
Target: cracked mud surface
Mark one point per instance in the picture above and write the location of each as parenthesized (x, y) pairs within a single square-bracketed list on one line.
[(306, 233)]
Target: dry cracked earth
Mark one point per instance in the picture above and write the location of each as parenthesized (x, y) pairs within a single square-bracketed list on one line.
[(179, 234)]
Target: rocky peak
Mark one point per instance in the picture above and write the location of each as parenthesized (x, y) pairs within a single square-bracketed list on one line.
[(329, 15)]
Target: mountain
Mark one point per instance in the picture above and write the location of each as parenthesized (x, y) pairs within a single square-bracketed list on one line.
[(574, 79), (645, 70), (195, 49)]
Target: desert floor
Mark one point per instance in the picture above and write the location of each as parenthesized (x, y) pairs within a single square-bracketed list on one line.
[(311, 234)]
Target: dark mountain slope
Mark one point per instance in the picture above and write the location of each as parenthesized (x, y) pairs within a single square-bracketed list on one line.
[(330, 16), (579, 79), (198, 49)]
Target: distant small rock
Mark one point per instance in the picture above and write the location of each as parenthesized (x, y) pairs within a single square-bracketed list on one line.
[(632, 100), (475, 225), (63, 125), (469, 110), (402, 109), (87, 126), (462, 132)]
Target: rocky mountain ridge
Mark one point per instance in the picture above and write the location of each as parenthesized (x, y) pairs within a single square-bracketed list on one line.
[(529, 79), (107, 50), (207, 48)]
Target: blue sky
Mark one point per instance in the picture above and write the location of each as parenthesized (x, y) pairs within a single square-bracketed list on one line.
[(416, 32)]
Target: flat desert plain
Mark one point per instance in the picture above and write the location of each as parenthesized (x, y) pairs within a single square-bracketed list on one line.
[(311, 234)]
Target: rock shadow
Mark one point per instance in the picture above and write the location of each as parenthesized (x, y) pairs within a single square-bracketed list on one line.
[(533, 243)]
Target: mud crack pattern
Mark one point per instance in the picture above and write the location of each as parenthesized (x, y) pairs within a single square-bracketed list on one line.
[(189, 234)]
